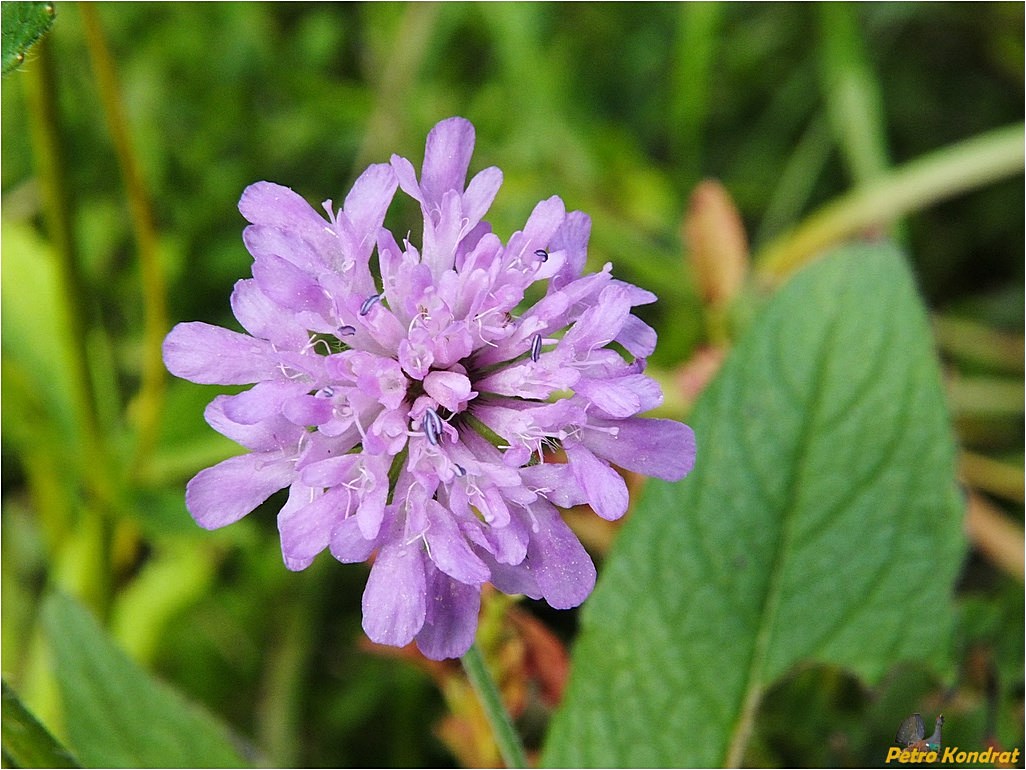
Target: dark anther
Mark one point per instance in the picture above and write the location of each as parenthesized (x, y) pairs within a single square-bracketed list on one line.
[(432, 426), (542, 255), (536, 343), (459, 470), (346, 331), (369, 303)]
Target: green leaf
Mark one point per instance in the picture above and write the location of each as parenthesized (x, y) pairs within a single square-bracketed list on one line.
[(117, 715), (21, 25), (26, 743), (822, 523)]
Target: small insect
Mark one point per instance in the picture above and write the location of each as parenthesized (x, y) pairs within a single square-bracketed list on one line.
[(536, 343), (542, 254), (911, 732), (368, 303)]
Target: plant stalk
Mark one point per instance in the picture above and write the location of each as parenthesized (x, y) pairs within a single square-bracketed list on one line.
[(509, 743), (155, 322), (91, 576), (942, 174)]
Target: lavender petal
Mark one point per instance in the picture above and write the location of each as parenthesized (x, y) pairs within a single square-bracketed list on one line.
[(394, 601), (654, 447), (223, 494), (450, 623)]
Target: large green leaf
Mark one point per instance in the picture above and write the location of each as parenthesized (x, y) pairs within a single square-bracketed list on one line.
[(26, 743), (116, 714), (821, 523), (22, 24)]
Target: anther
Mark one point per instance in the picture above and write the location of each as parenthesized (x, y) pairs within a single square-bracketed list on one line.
[(432, 426), (459, 470), (542, 255), (346, 331), (536, 343), (369, 303)]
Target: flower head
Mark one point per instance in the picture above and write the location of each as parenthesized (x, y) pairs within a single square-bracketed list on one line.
[(408, 408)]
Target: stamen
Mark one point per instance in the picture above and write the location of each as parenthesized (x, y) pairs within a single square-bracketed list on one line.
[(432, 426), (346, 331), (542, 255), (369, 303), (536, 343), (459, 470)]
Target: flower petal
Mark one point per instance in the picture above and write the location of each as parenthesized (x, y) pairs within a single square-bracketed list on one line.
[(513, 579), (450, 389), (226, 492), (290, 286), (262, 317), (479, 195), (449, 550), (366, 205), (263, 436), (451, 620), (267, 203), (263, 242), (348, 544), (605, 488), (662, 448), (306, 523), (572, 237), (556, 483), (637, 337), (621, 396), (394, 601), (210, 355), (446, 159), (562, 568), (261, 402), (407, 177)]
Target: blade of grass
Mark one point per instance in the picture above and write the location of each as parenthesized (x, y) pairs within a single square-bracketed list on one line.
[(998, 478), (851, 91), (964, 338), (26, 743), (797, 179), (697, 28)]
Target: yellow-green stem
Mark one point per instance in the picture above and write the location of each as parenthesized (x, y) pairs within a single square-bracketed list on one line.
[(920, 183), (95, 469), (155, 322)]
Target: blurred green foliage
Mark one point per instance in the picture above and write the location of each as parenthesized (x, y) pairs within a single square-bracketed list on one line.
[(618, 108)]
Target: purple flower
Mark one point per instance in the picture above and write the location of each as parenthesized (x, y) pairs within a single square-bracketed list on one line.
[(408, 408)]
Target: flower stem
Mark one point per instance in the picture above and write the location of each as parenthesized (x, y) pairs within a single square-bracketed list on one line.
[(90, 541), (57, 208), (506, 737), (151, 394), (942, 174)]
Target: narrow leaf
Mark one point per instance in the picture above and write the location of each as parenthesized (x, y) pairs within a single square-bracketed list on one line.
[(21, 25), (117, 714), (26, 743), (821, 524)]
